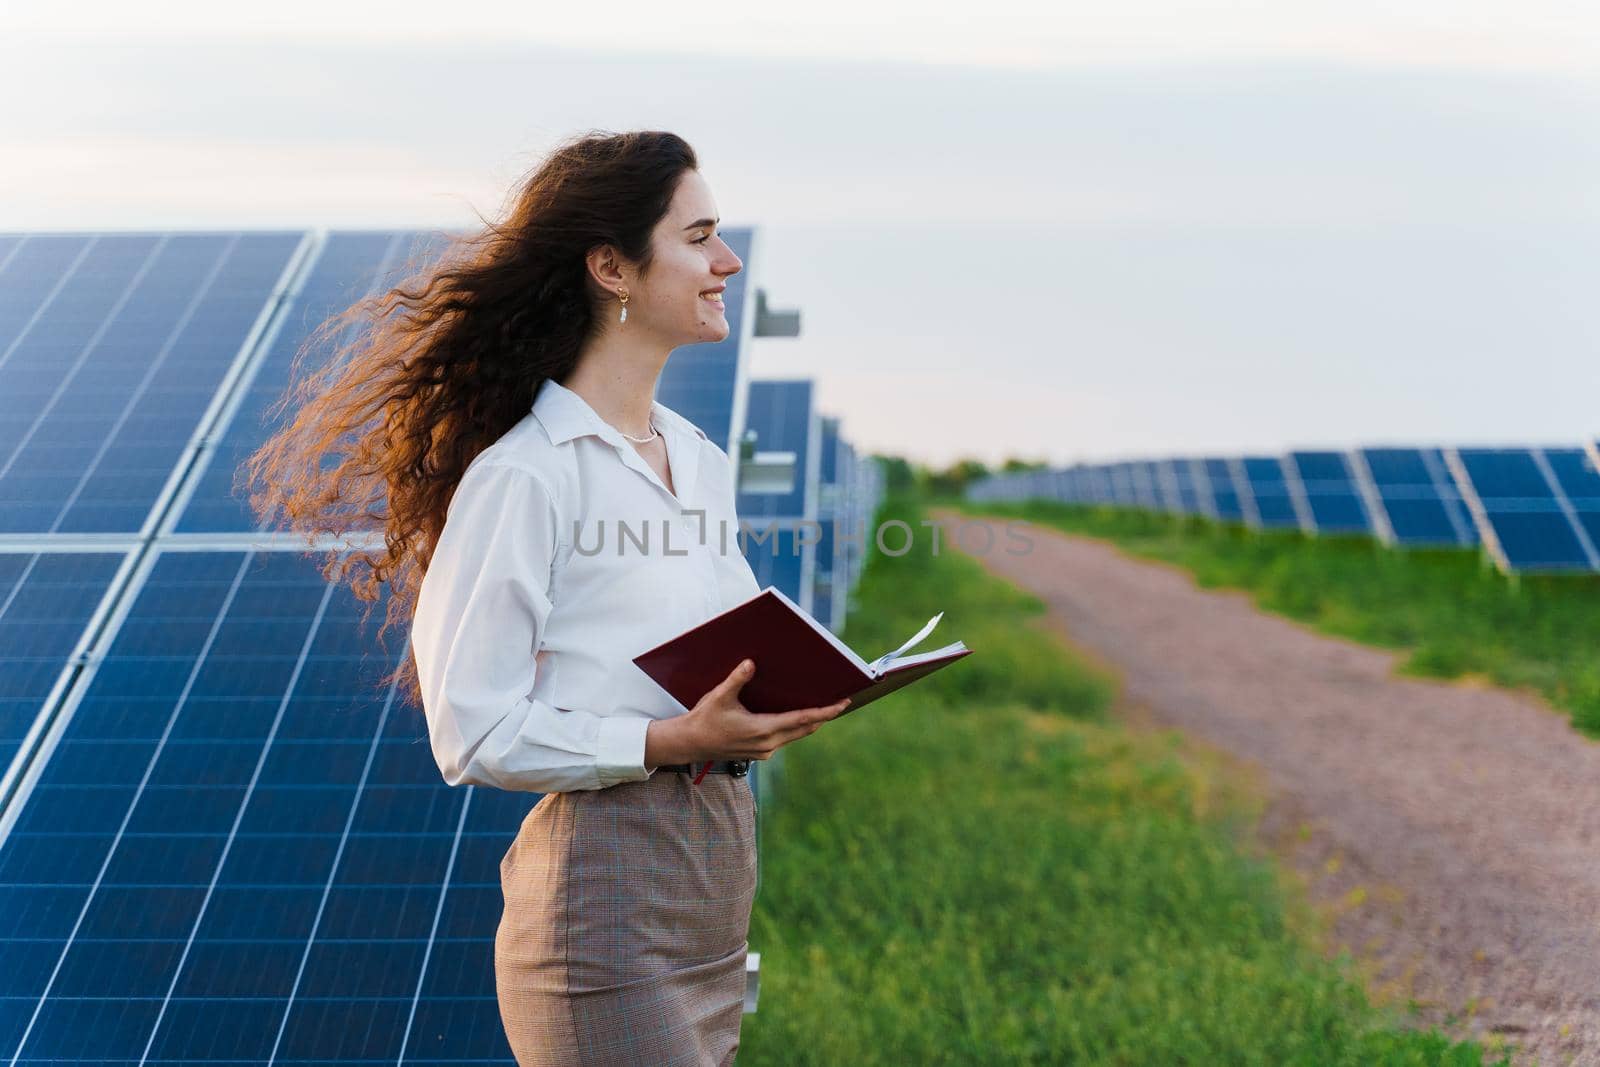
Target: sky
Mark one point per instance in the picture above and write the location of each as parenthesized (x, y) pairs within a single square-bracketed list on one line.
[(1064, 232)]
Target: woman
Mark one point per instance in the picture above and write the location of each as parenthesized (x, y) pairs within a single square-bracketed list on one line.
[(586, 524)]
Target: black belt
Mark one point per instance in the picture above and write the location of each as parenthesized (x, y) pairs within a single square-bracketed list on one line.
[(736, 767)]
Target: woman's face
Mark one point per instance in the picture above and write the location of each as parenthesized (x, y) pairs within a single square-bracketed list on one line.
[(690, 258)]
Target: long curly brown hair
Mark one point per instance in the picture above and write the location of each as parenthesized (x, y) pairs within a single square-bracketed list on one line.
[(440, 366)]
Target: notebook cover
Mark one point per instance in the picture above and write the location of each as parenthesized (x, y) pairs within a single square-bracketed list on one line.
[(796, 667), (897, 679)]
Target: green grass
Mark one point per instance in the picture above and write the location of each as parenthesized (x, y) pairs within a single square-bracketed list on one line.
[(1455, 616), (982, 869)]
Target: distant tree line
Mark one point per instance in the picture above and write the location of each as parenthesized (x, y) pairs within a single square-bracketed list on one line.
[(902, 476)]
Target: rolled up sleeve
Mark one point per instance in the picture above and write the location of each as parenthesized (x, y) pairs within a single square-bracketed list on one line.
[(480, 611)]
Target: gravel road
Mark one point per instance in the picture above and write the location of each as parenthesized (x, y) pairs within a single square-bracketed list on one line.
[(1465, 818)]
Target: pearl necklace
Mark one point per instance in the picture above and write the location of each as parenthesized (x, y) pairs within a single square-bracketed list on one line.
[(654, 433)]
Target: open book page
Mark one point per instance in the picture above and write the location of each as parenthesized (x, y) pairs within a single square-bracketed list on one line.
[(889, 658), (902, 662)]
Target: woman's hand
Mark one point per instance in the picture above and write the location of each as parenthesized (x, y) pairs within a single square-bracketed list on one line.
[(720, 727)]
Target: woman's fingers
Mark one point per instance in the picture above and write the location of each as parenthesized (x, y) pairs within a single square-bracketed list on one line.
[(793, 724)]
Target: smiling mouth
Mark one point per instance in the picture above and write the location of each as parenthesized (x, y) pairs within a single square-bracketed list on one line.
[(712, 298)]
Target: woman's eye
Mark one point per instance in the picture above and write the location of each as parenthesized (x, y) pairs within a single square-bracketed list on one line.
[(703, 240)]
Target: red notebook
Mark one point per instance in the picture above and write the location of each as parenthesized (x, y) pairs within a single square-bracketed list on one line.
[(799, 662)]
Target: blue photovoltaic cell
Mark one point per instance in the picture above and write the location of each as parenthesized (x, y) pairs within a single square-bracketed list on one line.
[(1076, 485), (1165, 482), (698, 381), (349, 267), (775, 555), (46, 600), (9, 243), (1523, 512), (1119, 484), (780, 413), (1574, 472), (1183, 478), (1113, 484), (1109, 484), (1418, 496), (1159, 475), (855, 520), (822, 601), (242, 849), (1147, 485), (1336, 504), (1081, 484), (828, 469), (1219, 482), (825, 541), (1270, 492), (111, 349), (824, 576), (832, 496)]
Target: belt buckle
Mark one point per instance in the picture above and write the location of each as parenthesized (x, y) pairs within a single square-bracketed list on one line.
[(738, 767)]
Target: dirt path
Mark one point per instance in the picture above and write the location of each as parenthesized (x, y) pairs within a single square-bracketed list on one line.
[(1467, 819)]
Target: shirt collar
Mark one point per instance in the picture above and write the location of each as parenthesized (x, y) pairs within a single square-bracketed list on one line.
[(566, 415)]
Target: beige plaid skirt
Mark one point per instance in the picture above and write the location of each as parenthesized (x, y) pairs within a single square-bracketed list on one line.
[(626, 915)]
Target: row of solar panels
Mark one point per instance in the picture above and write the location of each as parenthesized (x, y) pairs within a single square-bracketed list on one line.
[(808, 540), (220, 839), (1532, 509)]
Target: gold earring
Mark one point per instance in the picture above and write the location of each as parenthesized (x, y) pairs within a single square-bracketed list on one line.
[(622, 295)]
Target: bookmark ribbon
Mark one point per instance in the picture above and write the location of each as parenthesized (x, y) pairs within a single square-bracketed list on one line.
[(920, 634)]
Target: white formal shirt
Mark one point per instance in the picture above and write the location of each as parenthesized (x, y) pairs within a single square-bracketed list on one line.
[(563, 556)]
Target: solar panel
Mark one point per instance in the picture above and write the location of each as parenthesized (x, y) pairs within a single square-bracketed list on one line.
[(1056, 483), (779, 555), (1577, 489), (857, 514), (1110, 483), (1147, 488), (114, 346), (830, 567), (9, 244), (1182, 476), (348, 266), (1523, 514), (1221, 491), (1270, 503), (830, 509), (240, 848), (224, 842), (828, 464), (47, 601), (1060, 481), (1116, 486), (701, 381), (1415, 501), (1083, 484), (1334, 502), (780, 411)]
